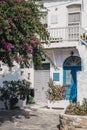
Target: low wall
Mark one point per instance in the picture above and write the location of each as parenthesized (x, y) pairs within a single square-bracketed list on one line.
[(70, 122), (21, 103)]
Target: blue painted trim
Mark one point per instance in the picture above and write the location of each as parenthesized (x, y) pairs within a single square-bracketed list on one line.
[(84, 43), (64, 76), (68, 59), (56, 76), (71, 89)]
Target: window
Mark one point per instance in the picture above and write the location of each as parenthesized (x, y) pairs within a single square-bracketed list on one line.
[(55, 76), (72, 61), (74, 14), (54, 19), (74, 17)]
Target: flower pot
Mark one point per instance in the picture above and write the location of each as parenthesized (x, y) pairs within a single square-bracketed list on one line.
[(72, 122), (58, 104)]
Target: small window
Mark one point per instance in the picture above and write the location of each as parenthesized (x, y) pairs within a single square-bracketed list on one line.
[(55, 76), (54, 19)]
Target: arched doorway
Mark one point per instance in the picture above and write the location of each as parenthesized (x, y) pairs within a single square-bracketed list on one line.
[(70, 67)]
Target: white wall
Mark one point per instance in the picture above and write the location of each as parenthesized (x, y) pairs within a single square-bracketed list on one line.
[(83, 54), (15, 74), (59, 56), (84, 15), (58, 9), (81, 86), (28, 74)]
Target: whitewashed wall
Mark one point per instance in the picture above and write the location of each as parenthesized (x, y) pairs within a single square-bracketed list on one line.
[(59, 56), (15, 74), (81, 86), (56, 10), (83, 54), (59, 9), (84, 14), (28, 74)]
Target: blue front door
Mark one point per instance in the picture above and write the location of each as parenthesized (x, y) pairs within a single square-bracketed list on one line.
[(71, 66)]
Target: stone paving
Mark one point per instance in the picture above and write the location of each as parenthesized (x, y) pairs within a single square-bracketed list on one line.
[(30, 118)]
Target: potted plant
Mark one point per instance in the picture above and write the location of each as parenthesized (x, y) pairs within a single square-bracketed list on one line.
[(75, 116), (55, 95)]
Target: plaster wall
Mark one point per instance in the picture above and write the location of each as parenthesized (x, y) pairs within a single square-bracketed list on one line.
[(84, 14), (83, 54), (81, 85), (58, 56), (56, 9), (15, 74)]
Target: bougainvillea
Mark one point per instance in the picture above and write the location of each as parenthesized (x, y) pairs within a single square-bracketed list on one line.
[(21, 31)]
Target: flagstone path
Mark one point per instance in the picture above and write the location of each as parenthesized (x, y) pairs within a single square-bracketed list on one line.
[(29, 119)]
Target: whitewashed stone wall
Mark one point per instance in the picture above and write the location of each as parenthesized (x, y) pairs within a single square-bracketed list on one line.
[(70, 122)]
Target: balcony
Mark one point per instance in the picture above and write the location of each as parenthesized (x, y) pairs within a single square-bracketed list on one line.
[(71, 33), (64, 37)]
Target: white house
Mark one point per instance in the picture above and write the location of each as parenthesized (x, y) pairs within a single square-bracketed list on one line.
[(67, 27)]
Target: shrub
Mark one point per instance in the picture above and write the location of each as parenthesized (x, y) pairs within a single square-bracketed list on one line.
[(77, 109), (12, 91), (55, 92), (31, 100)]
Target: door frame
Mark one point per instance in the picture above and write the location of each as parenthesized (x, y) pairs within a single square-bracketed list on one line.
[(72, 63)]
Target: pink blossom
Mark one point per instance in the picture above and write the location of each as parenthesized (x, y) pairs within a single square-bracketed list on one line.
[(19, 59), (32, 41), (28, 48), (7, 45), (17, 1)]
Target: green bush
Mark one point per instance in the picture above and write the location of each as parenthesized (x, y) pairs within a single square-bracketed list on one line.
[(12, 91), (77, 108), (31, 100)]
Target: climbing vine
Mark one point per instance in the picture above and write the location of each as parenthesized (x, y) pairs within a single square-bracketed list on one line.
[(21, 32)]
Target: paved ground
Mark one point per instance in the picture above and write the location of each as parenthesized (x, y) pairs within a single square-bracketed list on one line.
[(30, 118)]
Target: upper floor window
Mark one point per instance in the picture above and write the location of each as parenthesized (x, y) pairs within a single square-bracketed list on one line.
[(74, 17), (74, 14)]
